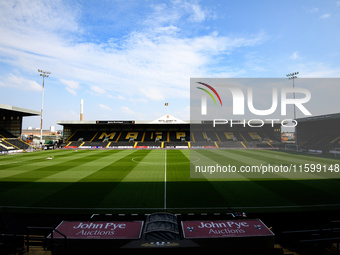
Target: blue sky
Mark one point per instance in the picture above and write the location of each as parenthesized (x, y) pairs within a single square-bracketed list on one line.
[(127, 58)]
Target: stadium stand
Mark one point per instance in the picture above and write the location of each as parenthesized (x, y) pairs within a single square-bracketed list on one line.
[(11, 126), (167, 132), (162, 233), (5, 134), (313, 240), (181, 135), (18, 143), (9, 143), (319, 133)]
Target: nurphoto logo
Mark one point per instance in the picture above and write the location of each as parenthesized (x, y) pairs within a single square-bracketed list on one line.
[(238, 97), (204, 98)]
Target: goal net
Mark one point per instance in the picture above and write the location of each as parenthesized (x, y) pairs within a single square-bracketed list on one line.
[(292, 147)]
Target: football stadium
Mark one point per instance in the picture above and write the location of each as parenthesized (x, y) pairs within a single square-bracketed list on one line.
[(209, 127), (138, 186)]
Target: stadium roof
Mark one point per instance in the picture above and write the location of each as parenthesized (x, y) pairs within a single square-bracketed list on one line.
[(166, 119), (320, 117), (8, 110), (76, 122)]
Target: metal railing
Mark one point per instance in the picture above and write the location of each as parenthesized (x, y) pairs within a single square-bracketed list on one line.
[(50, 236)]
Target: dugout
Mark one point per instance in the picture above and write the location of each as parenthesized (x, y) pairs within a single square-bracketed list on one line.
[(11, 119)]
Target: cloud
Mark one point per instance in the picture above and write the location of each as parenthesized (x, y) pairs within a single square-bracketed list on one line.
[(139, 100), (71, 86), (313, 10), (20, 83), (295, 55), (318, 70), (154, 57), (39, 16), (325, 16), (168, 30), (177, 12), (98, 90), (198, 14), (105, 107), (127, 110), (120, 97), (153, 93), (194, 10)]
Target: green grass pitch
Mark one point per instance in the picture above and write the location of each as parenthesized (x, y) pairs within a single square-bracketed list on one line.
[(154, 180)]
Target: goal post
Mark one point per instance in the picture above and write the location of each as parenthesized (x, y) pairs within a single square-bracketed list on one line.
[(292, 147)]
